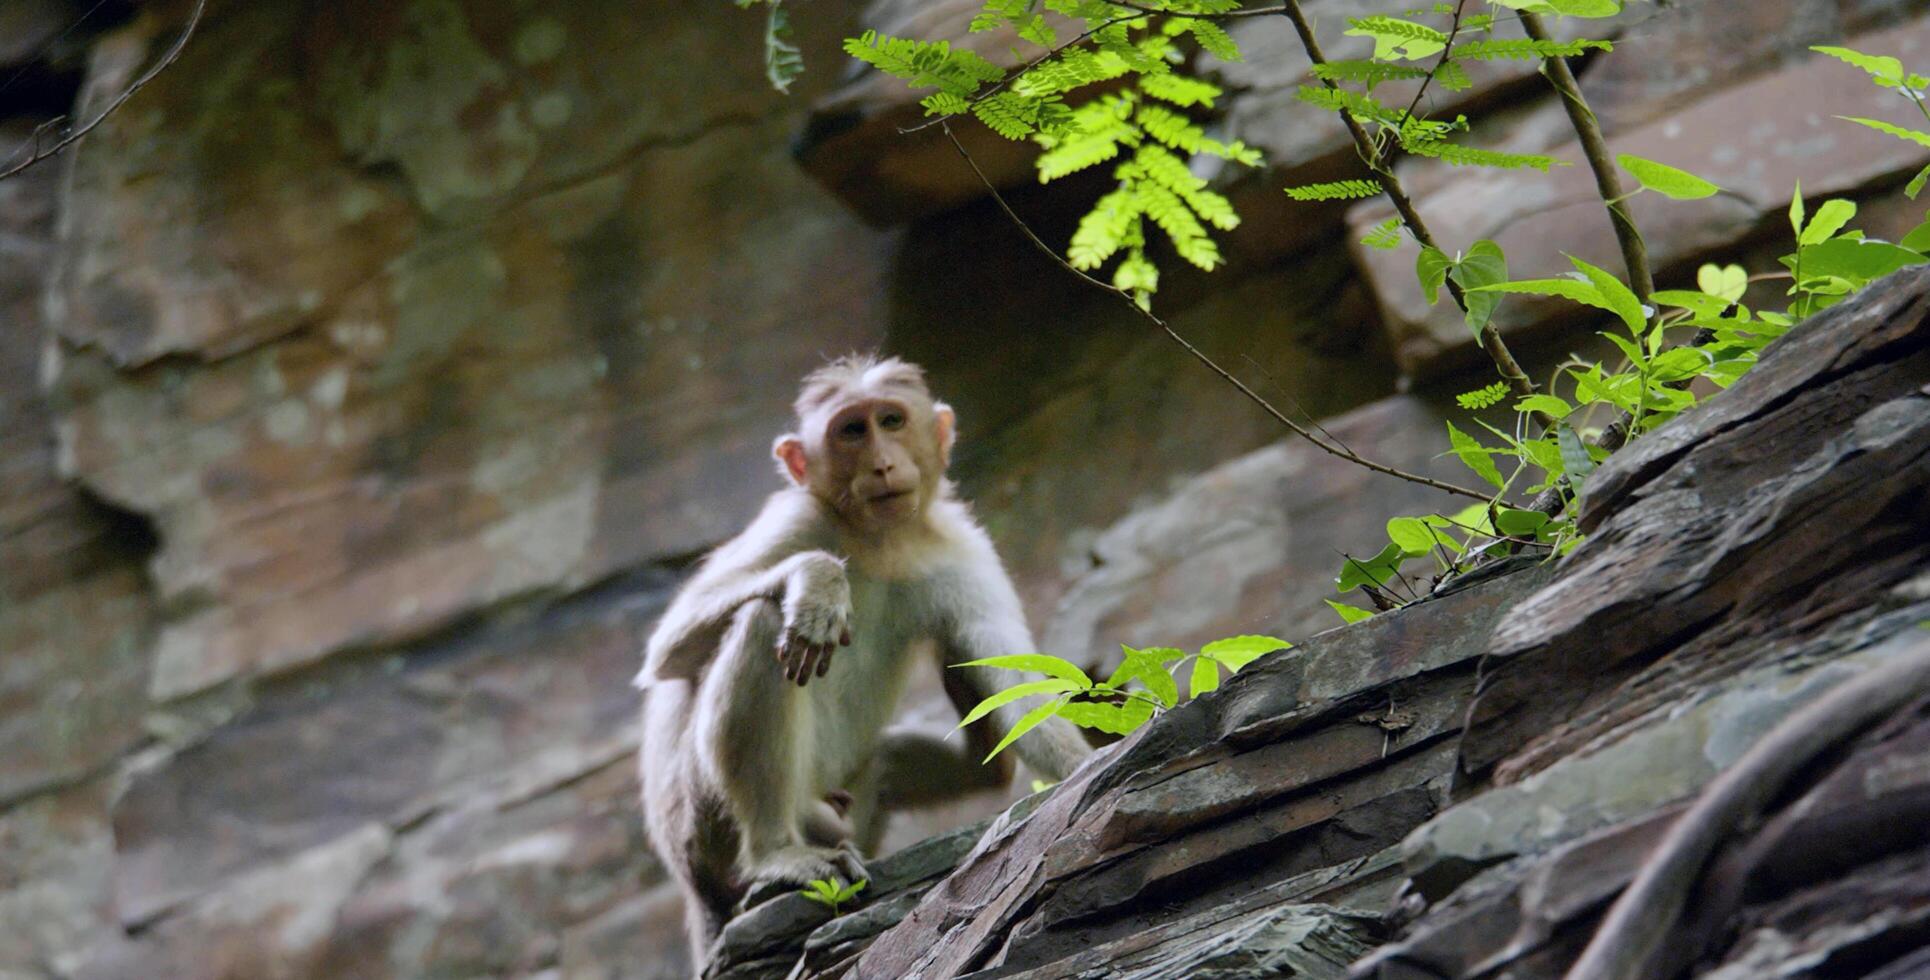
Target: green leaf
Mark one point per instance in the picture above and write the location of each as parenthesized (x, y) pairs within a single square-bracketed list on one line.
[(1349, 614), (1519, 523), (1412, 534), (1397, 39), (1032, 719), (1378, 570), (1883, 69), (1432, 269), (1910, 135), (1474, 456), (1796, 209), (1337, 190), (1384, 236), (1525, 49), (1666, 180), (1915, 186), (1858, 261), (1483, 265), (1695, 301), (1145, 666), (1678, 364), (1574, 456), (1547, 404), (850, 891), (1727, 281), (1830, 218), (1918, 239), (1055, 685), (1617, 298), (1118, 719), (1236, 652), (1206, 677), (1586, 8), (1043, 663), (1575, 289), (1485, 397)]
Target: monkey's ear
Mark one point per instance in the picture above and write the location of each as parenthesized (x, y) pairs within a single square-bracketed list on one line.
[(789, 450), (944, 422)]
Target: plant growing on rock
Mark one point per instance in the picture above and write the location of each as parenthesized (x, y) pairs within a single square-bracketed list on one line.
[(832, 893), (1145, 683)]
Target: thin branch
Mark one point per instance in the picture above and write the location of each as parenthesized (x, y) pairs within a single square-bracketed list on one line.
[(1447, 51), (1491, 342), (1635, 254), (74, 135), (1196, 353)]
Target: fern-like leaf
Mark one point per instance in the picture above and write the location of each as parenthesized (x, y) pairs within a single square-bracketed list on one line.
[(1345, 100), (1097, 131), (1171, 128), (924, 63), (1385, 236), (1456, 155), (1526, 49), (1112, 224), (1365, 72), (1480, 398), (1180, 90), (1337, 190)]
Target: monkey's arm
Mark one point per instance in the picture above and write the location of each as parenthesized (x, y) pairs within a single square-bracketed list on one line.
[(776, 558), (989, 621)]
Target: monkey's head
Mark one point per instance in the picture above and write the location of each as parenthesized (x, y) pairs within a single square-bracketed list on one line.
[(871, 442)]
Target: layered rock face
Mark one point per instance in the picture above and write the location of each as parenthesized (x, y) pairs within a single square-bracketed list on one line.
[(368, 381), (1458, 788)]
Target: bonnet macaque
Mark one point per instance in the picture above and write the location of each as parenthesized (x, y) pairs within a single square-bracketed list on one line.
[(771, 677)]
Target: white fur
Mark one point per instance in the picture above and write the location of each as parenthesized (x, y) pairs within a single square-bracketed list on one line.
[(729, 746)]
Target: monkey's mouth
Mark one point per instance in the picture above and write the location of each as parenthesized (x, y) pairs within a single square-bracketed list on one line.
[(890, 495)]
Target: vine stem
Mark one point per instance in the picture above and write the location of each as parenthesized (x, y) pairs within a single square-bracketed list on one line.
[(1197, 354), (1588, 130), (1390, 185), (34, 152)]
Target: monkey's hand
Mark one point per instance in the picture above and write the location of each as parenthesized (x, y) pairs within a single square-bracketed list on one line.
[(817, 617)]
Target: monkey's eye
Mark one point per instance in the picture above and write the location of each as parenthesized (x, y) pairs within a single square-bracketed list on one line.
[(891, 420), (853, 429)]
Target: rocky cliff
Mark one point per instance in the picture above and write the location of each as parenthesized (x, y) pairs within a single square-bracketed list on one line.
[(370, 378), (1459, 788)]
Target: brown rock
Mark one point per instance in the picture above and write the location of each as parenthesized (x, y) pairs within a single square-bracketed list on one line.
[(488, 718), (394, 428), (75, 616)]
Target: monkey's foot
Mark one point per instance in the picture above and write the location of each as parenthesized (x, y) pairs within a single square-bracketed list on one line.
[(791, 868)]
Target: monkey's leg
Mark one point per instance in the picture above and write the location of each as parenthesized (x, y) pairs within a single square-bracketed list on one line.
[(757, 733)]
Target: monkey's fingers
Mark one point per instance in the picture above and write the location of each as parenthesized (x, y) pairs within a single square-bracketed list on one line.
[(808, 663), (824, 663), (789, 657), (844, 638)]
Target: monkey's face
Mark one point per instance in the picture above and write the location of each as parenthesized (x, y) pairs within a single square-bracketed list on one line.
[(880, 460)]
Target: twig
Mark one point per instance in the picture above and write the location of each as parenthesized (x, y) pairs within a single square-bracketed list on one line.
[(1639, 924), (1491, 342), (1588, 130), (1447, 51), (74, 135), (1196, 353)]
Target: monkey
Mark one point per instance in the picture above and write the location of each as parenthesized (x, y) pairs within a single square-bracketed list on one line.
[(770, 677)]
